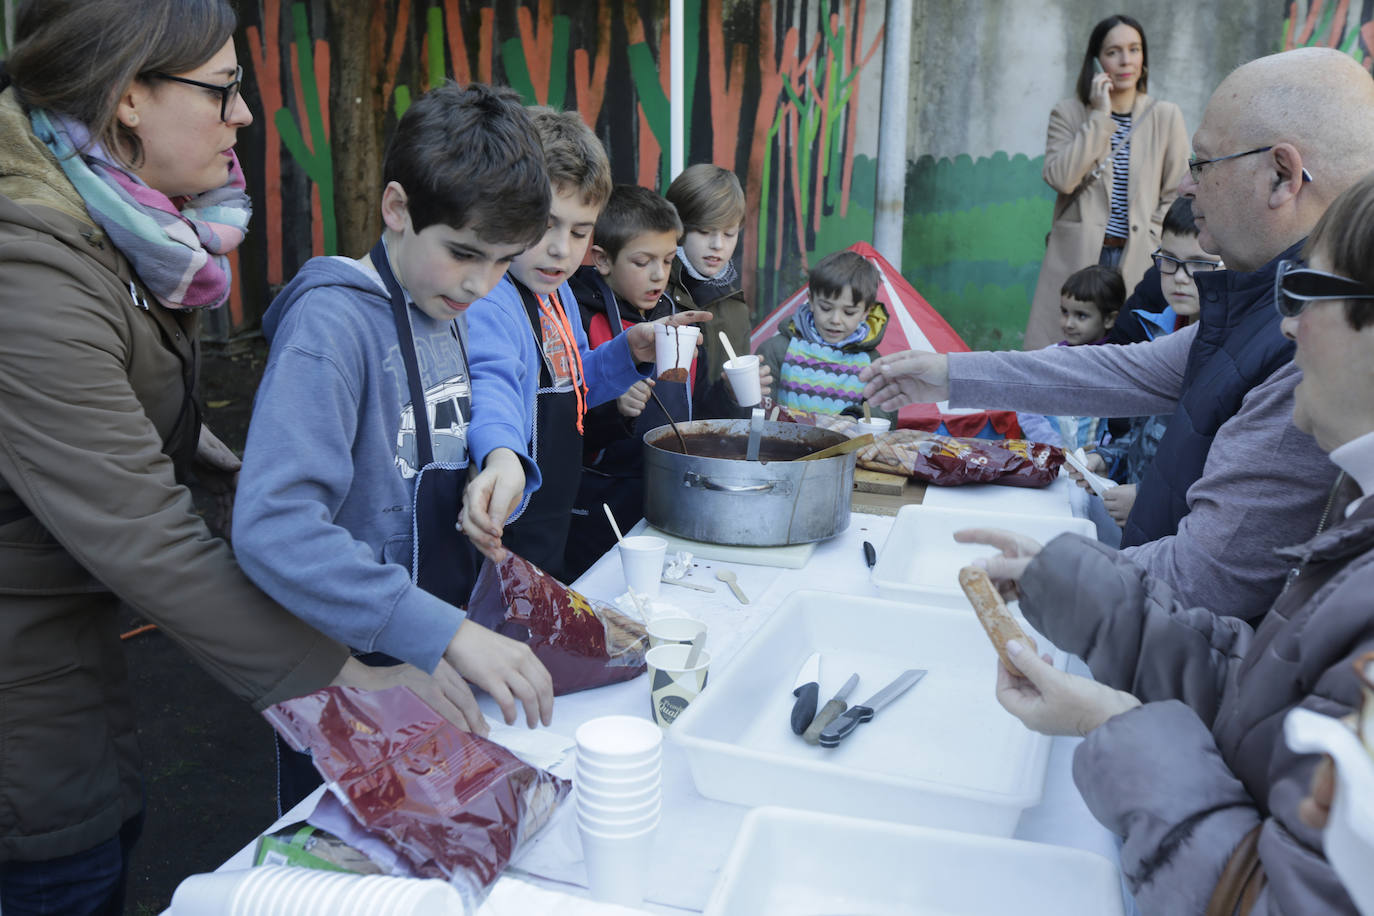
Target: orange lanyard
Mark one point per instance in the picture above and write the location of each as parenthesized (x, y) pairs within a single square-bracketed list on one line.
[(553, 307)]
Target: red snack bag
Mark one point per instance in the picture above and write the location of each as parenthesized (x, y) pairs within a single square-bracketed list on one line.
[(454, 805), (583, 643)]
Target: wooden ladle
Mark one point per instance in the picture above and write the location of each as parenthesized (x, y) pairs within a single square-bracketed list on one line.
[(844, 448)]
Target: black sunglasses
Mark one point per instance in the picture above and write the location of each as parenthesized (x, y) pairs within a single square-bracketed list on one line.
[(227, 92), (1296, 284)]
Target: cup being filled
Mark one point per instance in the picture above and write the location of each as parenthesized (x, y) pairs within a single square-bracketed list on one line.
[(675, 346)]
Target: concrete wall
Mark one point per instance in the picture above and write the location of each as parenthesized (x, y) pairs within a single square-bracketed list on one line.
[(985, 74)]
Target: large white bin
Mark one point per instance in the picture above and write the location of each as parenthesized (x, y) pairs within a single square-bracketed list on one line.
[(944, 754)]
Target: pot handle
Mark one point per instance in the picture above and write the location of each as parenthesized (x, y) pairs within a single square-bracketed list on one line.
[(693, 479)]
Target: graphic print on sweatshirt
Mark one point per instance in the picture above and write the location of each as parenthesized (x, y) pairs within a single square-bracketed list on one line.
[(448, 405)]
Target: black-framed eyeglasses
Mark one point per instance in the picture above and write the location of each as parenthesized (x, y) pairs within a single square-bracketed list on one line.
[(1195, 164), (1169, 265), (1296, 285), (227, 92)]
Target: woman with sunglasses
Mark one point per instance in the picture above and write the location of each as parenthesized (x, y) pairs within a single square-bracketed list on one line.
[(1184, 754), (120, 200), (1115, 156)]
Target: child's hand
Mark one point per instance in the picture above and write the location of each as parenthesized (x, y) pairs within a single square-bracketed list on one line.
[(444, 691), (1093, 462), (1119, 501), (490, 498), (765, 379), (631, 403), (1054, 702), (504, 668)]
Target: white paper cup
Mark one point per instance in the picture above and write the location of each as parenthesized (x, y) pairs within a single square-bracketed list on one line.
[(676, 631), (638, 770), (617, 866), (641, 557), (743, 374), (618, 812), (206, 895), (622, 737), (612, 789), (875, 425), (672, 685), (674, 349), (617, 825)]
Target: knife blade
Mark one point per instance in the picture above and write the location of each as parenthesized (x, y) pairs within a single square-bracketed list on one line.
[(807, 690), (836, 731), (832, 708)]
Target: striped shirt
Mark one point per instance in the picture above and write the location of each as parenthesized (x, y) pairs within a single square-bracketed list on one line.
[(1121, 167)]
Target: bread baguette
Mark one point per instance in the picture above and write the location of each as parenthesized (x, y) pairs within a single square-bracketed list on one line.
[(992, 613)]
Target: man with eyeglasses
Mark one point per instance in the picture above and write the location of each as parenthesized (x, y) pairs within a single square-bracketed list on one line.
[(1232, 479)]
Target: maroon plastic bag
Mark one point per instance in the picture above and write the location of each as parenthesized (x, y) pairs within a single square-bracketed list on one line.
[(583, 643), (453, 804), (950, 462)]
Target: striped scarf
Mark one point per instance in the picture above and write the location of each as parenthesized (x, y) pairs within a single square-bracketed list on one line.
[(179, 248)]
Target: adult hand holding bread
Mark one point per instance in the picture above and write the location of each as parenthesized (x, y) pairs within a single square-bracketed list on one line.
[(1054, 702), (1015, 553)]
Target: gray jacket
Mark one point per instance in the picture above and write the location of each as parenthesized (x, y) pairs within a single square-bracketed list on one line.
[(1264, 484), (1186, 776)]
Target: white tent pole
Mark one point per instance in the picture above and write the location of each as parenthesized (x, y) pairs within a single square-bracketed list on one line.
[(677, 95), (887, 221)]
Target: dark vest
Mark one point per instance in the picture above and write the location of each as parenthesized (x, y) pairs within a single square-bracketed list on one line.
[(1238, 345)]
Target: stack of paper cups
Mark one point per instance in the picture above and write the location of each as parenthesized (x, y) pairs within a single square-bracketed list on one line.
[(618, 787)]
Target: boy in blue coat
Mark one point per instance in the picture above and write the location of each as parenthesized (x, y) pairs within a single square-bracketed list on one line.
[(360, 452)]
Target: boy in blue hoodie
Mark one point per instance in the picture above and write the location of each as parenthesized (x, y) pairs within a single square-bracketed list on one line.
[(349, 497)]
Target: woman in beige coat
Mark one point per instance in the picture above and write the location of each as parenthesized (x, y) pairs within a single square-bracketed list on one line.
[(1115, 156)]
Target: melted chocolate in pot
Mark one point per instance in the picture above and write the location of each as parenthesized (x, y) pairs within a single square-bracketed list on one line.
[(714, 445)]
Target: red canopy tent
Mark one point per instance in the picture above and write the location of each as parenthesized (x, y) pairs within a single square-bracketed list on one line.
[(912, 324)]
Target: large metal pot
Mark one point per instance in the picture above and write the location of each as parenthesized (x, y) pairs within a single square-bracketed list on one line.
[(728, 500)]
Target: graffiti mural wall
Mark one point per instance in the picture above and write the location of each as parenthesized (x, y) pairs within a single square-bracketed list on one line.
[(784, 92)]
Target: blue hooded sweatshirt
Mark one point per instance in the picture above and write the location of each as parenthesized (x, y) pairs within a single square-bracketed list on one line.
[(323, 518)]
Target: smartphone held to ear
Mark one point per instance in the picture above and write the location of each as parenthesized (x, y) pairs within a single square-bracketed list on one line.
[(1097, 66)]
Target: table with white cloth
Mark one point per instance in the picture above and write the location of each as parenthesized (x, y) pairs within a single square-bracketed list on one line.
[(702, 829)]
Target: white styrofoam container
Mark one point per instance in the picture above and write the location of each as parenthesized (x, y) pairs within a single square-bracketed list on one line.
[(786, 861), (920, 559), (944, 754)]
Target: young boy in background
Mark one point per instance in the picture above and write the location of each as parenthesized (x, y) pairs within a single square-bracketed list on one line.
[(534, 309), (1089, 302), (359, 432), (710, 203), (816, 355)]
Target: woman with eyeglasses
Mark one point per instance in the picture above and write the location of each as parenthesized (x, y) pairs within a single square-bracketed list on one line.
[(121, 199), (1184, 754), (1115, 156)]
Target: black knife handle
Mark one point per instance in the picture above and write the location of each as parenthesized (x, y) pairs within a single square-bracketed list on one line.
[(836, 731), (804, 710)]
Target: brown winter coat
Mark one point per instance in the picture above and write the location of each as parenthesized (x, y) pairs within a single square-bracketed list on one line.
[(1079, 137), (93, 383)]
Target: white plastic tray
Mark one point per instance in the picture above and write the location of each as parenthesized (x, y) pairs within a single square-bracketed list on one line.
[(944, 754), (786, 861), (1051, 500), (920, 560)]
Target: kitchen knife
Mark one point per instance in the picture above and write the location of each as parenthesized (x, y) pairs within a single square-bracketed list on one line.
[(836, 731), (807, 691), (833, 707)]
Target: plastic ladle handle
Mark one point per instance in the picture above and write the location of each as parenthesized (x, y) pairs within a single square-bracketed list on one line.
[(729, 350)]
